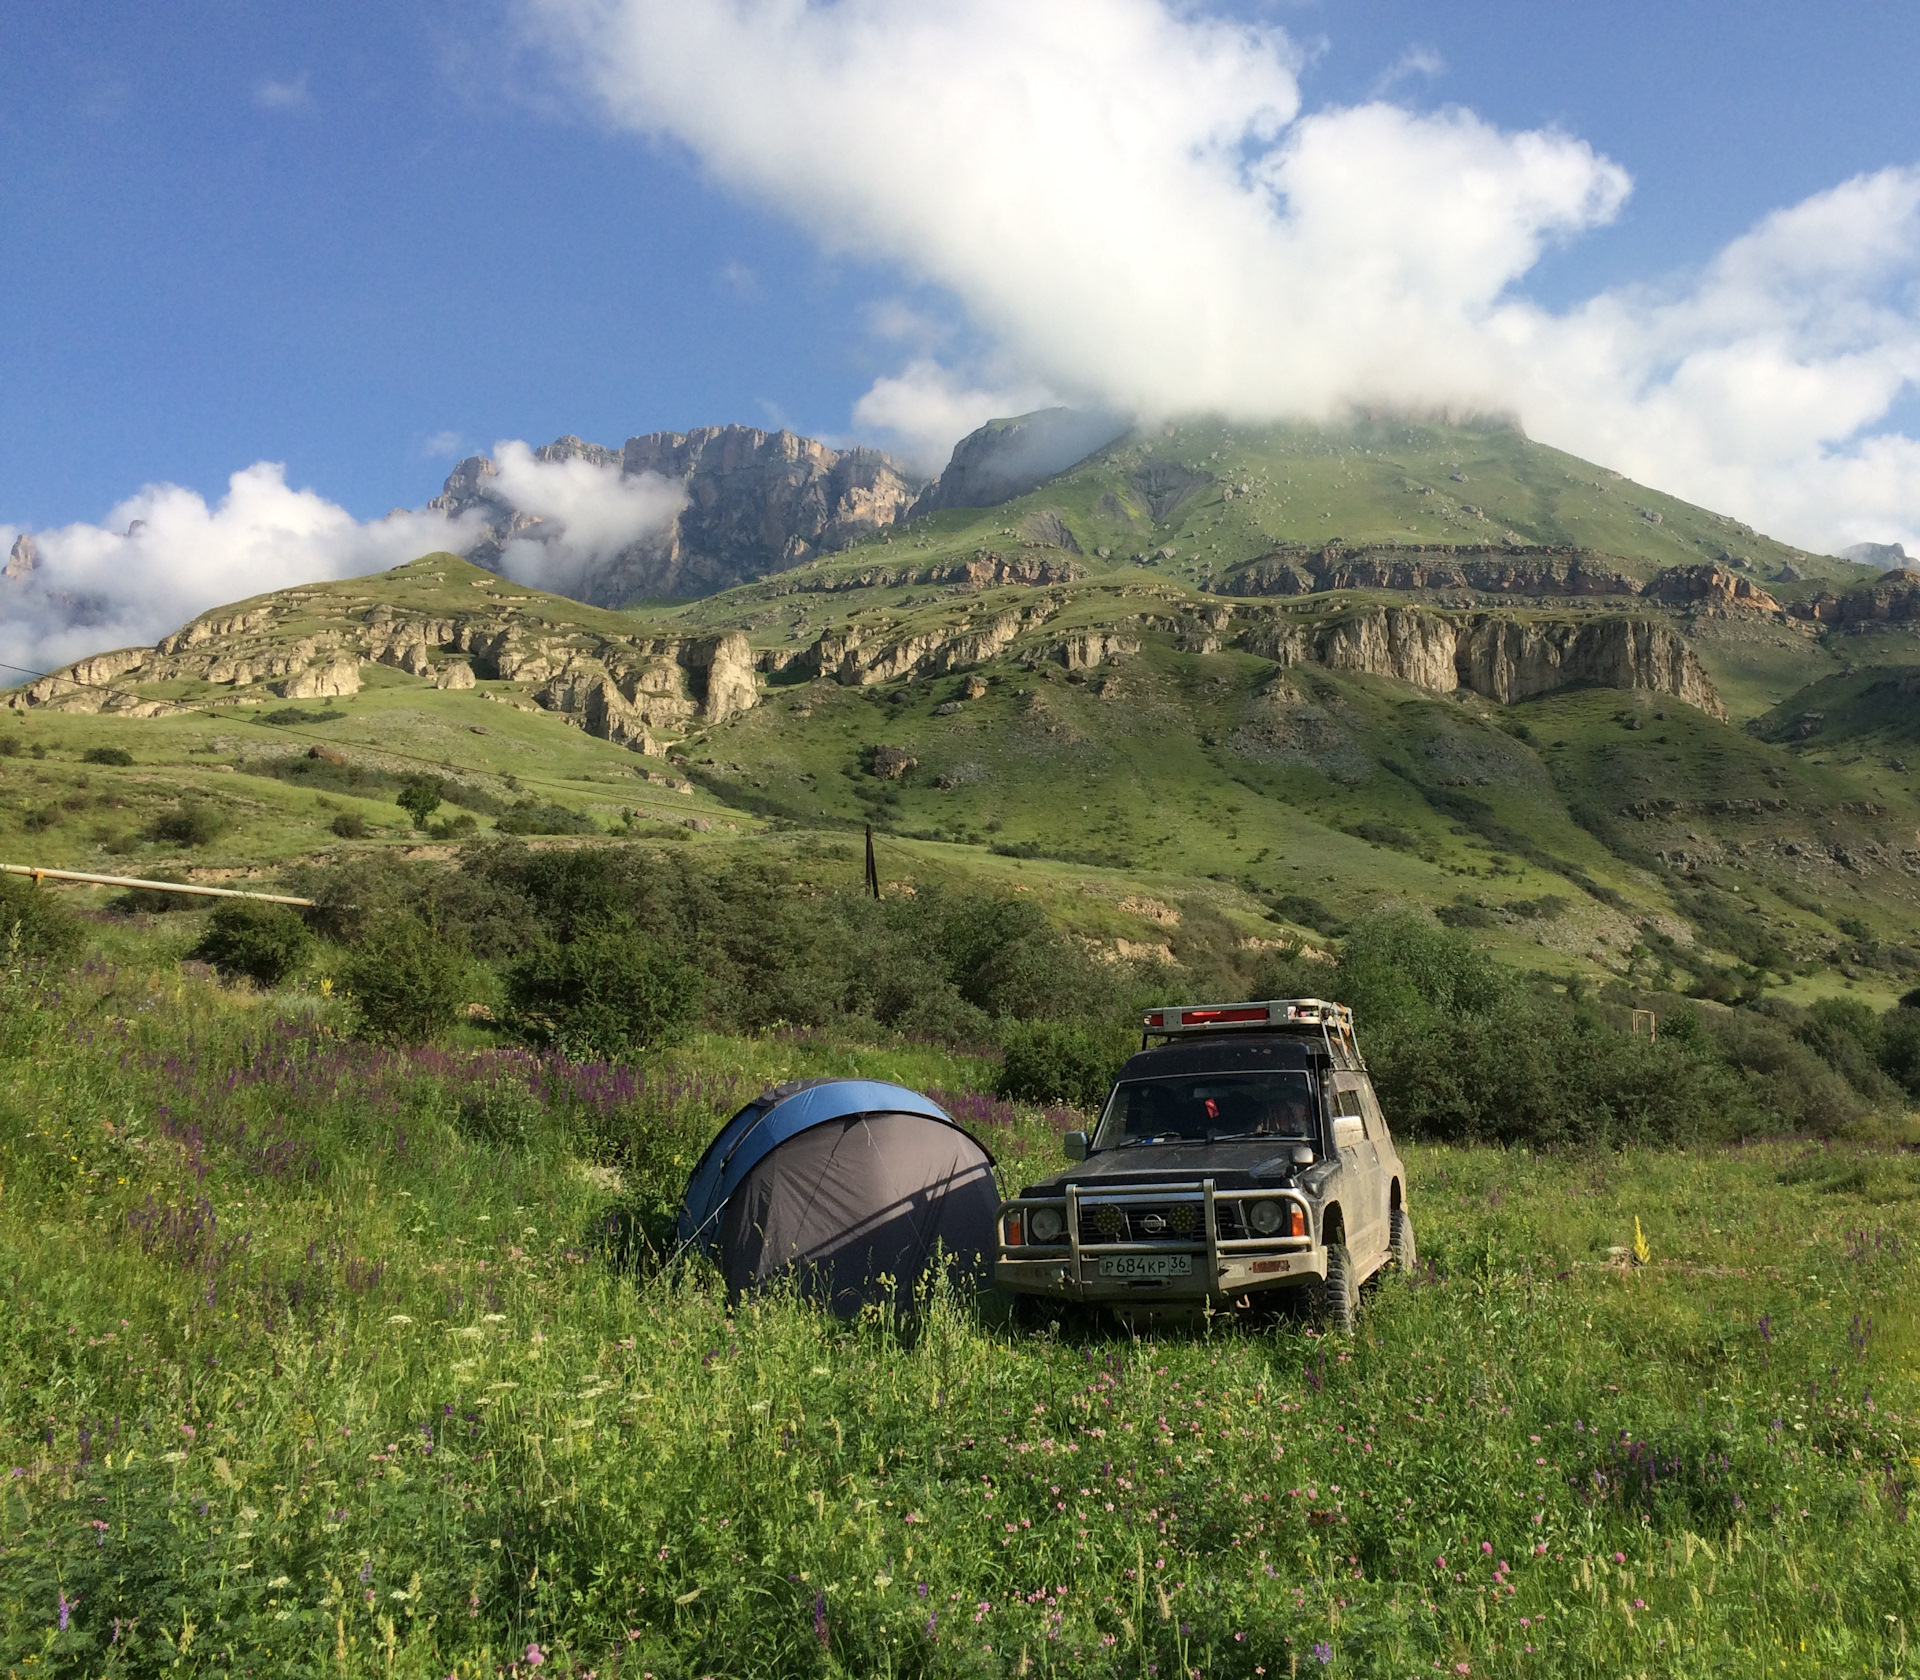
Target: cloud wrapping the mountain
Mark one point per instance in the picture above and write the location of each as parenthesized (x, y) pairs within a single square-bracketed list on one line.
[(1128, 202), (588, 514), (164, 555)]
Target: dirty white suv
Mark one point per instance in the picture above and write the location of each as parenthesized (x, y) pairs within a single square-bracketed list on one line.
[(1242, 1154)]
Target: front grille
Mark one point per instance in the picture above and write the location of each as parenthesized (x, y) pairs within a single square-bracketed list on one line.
[(1141, 1222)]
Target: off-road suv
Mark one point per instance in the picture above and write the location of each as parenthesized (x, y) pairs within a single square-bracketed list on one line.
[(1242, 1154)]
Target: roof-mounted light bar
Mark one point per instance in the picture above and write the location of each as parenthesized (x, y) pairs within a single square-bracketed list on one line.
[(1333, 1020), (1278, 1012)]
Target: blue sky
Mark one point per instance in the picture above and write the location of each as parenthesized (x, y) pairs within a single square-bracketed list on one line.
[(342, 237)]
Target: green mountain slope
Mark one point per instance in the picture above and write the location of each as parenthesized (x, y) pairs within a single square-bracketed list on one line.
[(1049, 695)]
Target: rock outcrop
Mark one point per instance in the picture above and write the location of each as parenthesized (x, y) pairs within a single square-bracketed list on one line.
[(1892, 599), (1513, 570), (1710, 591), (22, 559), (754, 503), (1007, 458), (625, 689), (986, 569), (859, 658), (1500, 657)]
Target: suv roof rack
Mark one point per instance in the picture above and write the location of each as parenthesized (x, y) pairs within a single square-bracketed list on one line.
[(1332, 1021)]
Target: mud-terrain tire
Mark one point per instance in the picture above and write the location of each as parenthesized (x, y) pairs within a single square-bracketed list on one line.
[(1338, 1304), (1400, 1242)]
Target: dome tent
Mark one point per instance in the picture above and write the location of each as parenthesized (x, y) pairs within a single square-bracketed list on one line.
[(846, 1183)]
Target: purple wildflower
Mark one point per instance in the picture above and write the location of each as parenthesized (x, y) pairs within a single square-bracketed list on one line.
[(820, 1619), (1323, 1653)]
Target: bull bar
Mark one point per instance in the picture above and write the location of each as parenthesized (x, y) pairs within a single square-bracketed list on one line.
[(1233, 1264)]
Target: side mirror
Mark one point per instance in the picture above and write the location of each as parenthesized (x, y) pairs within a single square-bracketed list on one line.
[(1075, 1144), (1302, 1155)]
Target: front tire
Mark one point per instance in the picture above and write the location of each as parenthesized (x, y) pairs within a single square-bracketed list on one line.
[(1400, 1242), (1339, 1301)]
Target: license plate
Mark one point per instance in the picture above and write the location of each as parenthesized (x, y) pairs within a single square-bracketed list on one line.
[(1146, 1265)]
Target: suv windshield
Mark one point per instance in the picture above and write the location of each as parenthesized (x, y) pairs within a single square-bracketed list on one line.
[(1201, 1107)]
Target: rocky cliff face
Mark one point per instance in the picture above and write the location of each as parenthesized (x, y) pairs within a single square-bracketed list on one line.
[(1507, 570), (627, 689), (1892, 599), (756, 502), (1503, 658), (1007, 458)]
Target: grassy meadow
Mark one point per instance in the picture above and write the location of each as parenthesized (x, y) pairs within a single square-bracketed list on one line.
[(324, 1358)]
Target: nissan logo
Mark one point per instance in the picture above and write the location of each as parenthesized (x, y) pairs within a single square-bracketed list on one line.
[(1153, 1224)]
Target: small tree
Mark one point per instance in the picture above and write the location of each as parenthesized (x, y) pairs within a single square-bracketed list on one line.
[(609, 992), (265, 942), (404, 981), (420, 798), (1051, 1061), (34, 923)]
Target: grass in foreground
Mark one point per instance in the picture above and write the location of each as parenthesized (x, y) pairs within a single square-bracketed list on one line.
[(321, 1359)]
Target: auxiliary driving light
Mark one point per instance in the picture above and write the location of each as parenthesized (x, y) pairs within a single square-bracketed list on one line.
[(1047, 1224)]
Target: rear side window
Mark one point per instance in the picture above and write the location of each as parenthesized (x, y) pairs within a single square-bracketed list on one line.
[(1346, 1102)]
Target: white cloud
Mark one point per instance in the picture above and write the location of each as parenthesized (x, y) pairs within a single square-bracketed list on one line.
[(1421, 62), (290, 95), (1127, 201), (442, 446), (922, 409), (164, 555), (588, 513)]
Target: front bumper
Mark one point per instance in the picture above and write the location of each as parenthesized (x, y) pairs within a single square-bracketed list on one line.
[(1174, 1272)]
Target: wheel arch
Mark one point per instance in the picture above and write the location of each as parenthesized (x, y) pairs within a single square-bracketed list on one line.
[(1333, 1224)]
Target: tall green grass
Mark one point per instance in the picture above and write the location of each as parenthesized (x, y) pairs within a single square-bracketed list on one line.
[(317, 1358)]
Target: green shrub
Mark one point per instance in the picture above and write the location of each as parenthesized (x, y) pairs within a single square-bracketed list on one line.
[(107, 755), (420, 798), (609, 993), (150, 901), (502, 1112), (264, 942), (291, 716), (531, 818), (1900, 1047), (193, 822), (1052, 1062), (1846, 1034), (406, 983), (350, 825), (34, 924), (9, 746)]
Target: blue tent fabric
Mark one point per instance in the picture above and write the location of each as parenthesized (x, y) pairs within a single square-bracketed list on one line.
[(766, 1123), (849, 1187)]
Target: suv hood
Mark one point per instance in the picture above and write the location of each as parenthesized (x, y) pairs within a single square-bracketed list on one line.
[(1231, 1166)]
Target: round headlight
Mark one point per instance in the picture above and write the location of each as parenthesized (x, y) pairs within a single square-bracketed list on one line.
[(1266, 1217), (1047, 1224)]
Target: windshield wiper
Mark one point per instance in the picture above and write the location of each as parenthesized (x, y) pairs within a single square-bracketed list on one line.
[(1164, 1137)]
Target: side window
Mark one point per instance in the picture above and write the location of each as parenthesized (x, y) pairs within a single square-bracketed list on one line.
[(1370, 1107), (1348, 1104), (1347, 1110)]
